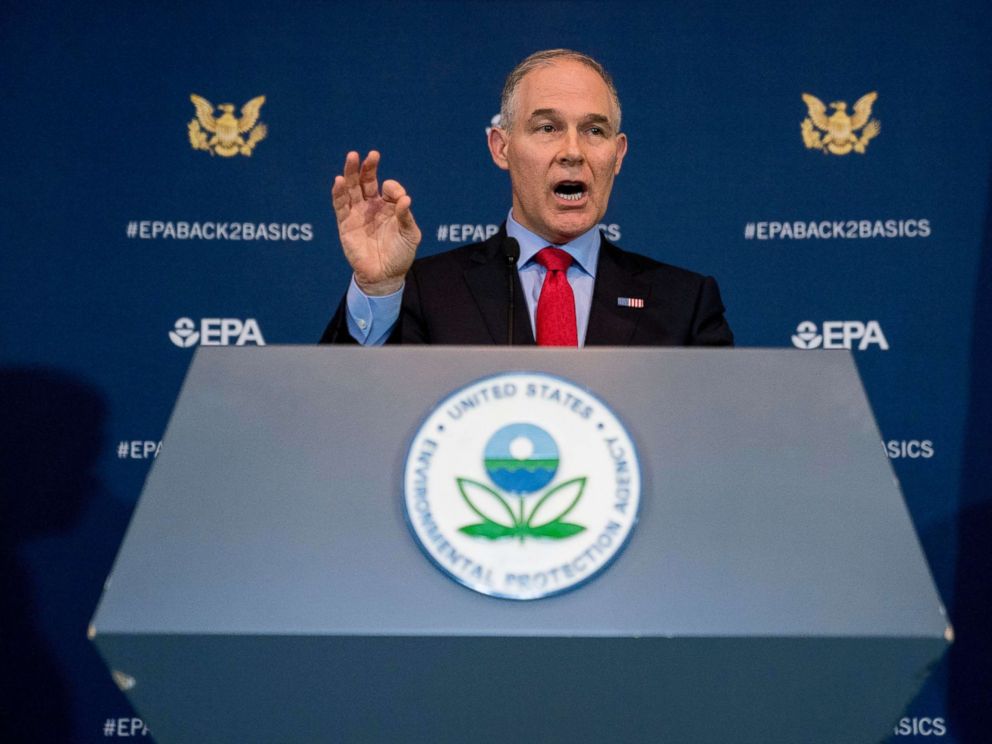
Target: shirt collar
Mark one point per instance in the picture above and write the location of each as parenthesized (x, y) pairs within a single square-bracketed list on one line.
[(584, 250)]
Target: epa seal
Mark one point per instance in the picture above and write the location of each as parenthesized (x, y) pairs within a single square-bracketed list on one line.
[(522, 485)]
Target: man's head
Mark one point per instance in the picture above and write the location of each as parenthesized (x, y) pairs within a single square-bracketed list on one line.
[(559, 137)]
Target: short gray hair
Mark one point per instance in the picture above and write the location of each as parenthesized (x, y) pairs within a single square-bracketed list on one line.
[(546, 58)]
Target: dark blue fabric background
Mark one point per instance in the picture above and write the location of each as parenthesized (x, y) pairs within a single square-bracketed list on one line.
[(93, 133)]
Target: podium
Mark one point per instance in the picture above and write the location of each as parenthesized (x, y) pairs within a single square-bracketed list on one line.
[(270, 587)]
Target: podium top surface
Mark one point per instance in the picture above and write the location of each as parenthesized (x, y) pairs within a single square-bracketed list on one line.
[(768, 506)]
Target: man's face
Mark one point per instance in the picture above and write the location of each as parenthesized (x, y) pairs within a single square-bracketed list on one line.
[(562, 152)]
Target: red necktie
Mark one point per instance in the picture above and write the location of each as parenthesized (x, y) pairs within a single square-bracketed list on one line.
[(556, 305)]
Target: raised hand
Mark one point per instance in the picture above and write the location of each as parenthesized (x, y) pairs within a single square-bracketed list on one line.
[(377, 229)]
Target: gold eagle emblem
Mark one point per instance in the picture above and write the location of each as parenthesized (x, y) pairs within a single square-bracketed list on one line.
[(222, 134), (840, 127)]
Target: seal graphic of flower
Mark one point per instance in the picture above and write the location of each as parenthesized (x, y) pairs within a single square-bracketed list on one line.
[(521, 459)]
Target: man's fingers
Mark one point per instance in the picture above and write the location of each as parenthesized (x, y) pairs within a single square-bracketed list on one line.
[(404, 215), (340, 199), (392, 191), (351, 177), (369, 175)]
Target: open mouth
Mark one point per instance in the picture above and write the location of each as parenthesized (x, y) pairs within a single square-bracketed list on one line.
[(570, 190)]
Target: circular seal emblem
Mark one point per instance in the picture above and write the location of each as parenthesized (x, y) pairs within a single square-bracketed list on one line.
[(522, 485)]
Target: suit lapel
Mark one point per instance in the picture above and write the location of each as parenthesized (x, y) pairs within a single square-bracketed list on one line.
[(486, 279), (609, 323)]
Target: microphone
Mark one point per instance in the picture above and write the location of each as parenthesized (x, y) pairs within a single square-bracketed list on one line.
[(511, 249)]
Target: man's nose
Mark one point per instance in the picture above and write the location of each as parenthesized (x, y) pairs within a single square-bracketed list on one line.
[(570, 152)]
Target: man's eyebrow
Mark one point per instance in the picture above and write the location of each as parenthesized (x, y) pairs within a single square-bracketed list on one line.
[(555, 113), (537, 113)]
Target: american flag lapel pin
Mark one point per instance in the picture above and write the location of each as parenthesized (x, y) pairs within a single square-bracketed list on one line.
[(637, 302)]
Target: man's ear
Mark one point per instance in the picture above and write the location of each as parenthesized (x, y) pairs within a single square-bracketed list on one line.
[(498, 142), (621, 151)]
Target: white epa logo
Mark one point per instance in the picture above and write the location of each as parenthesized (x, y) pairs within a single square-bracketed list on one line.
[(806, 336), (216, 332), (840, 334), (184, 334)]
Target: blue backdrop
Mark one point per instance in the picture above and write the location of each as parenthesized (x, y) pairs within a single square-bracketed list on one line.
[(100, 175)]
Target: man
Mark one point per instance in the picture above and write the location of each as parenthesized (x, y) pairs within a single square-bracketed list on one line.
[(559, 137)]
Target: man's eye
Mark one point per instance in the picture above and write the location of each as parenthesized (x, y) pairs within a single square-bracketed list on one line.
[(598, 131), (546, 128)]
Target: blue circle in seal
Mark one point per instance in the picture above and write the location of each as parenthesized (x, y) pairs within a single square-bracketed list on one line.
[(521, 458)]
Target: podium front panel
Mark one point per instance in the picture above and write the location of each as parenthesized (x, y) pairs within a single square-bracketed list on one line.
[(772, 535)]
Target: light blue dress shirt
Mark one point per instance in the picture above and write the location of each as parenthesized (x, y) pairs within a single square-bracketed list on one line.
[(371, 319)]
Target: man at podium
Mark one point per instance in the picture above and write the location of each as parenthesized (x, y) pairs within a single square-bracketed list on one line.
[(548, 276)]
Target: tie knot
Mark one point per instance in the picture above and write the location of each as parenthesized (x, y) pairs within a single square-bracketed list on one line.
[(553, 259)]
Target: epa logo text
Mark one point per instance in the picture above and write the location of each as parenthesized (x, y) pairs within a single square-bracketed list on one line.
[(216, 332), (840, 334)]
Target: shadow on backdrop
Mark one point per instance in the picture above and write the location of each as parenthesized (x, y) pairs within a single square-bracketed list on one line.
[(971, 611), (53, 506)]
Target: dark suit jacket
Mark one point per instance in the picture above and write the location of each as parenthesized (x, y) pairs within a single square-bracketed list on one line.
[(461, 297)]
